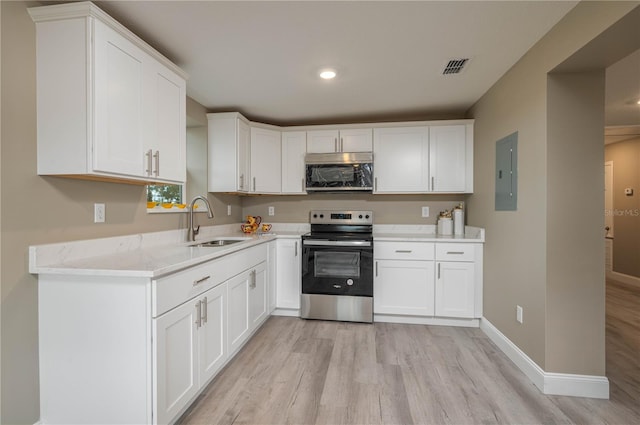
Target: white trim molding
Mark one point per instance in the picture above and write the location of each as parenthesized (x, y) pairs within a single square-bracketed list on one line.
[(624, 278), (547, 382)]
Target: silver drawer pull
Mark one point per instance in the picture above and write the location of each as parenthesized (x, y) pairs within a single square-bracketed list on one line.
[(199, 281), (404, 251), (455, 252)]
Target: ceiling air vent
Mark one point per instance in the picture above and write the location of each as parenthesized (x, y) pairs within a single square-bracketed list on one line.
[(454, 66)]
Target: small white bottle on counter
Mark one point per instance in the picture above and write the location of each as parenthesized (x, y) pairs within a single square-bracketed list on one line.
[(458, 220), (445, 226)]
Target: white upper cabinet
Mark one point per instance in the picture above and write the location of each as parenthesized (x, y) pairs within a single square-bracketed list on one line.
[(451, 158), (229, 153), (294, 147), (109, 106), (266, 170), (401, 159), (346, 140)]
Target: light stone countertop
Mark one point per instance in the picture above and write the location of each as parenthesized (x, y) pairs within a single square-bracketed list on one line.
[(152, 255)]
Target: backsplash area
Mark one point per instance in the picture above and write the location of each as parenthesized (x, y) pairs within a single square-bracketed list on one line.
[(387, 209)]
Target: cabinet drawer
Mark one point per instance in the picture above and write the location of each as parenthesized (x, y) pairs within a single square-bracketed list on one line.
[(403, 250), (455, 252), (171, 291)]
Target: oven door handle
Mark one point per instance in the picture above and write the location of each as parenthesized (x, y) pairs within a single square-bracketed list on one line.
[(335, 243)]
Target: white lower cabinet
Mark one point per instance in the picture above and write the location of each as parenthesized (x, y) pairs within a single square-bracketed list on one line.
[(247, 304), (455, 289), (157, 341), (190, 347), (288, 283), (440, 280), (403, 287)]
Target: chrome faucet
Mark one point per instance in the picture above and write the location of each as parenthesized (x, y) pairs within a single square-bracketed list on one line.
[(193, 230)]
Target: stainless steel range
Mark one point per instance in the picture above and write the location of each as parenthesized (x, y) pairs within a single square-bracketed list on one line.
[(337, 267)]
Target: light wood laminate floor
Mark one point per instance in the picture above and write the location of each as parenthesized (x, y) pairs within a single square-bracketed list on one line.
[(298, 371)]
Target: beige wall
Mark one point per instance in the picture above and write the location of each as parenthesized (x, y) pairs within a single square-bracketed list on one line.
[(626, 209), (518, 270), (38, 210), (387, 209)]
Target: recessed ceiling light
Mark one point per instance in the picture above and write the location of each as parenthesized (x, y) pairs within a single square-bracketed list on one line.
[(327, 74)]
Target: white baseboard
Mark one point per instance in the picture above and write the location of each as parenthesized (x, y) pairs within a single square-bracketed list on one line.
[(548, 383), (624, 278), (286, 312), (421, 320)]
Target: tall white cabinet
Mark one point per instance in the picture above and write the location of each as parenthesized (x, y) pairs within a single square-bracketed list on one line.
[(229, 146), (109, 106)]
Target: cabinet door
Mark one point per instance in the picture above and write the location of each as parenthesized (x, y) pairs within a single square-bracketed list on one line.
[(168, 124), (356, 140), (401, 158), (265, 161), (118, 133), (447, 158), (238, 325), (258, 296), (271, 280), (455, 289), (288, 284), (212, 336), (404, 287), (294, 147), (243, 159), (322, 141), (175, 357)]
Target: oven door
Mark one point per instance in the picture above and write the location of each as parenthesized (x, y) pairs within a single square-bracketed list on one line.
[(337, 267)]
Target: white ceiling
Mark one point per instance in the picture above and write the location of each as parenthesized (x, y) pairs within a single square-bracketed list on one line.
[(622, 111), (262, 58)]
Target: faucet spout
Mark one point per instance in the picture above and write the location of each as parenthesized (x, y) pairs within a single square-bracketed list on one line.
[(193, 230)]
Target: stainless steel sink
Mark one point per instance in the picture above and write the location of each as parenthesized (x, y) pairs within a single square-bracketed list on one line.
[(218, 242)]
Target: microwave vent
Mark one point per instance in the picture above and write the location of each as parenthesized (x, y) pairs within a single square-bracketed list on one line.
[(455, 66)]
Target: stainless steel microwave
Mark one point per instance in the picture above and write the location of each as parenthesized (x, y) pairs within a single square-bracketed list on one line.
[(339, 172)]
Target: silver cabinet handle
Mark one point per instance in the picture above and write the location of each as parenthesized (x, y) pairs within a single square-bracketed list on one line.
[(335, 144), (241, 181), (205, 313), (438, 270), (254, 184), (156, 156), (376, 269), (198, 321), (455, 252), (252, 279), (303, 188), (341, 144), (375, 183), (149, 163), (202, 279), (433, 186), (404, 251), (295, 249)]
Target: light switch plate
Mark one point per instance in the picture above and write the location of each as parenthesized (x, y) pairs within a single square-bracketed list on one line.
[(425, 211), (272, 211)]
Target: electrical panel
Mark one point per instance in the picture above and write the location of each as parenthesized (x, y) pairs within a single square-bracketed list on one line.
[(507, 173)]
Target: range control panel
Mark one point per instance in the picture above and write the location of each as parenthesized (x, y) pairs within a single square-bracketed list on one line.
[(341, 217)]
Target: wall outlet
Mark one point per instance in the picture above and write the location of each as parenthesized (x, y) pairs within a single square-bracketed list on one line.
[(272, 211), (99, 213), (519, 314), (425, 211), (228, 209)]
